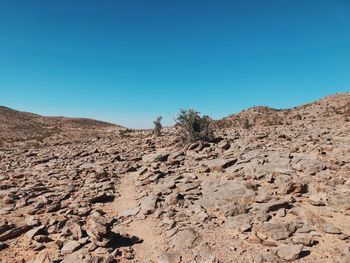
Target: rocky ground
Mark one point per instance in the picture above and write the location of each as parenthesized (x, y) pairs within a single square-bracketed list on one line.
[(264, 192)]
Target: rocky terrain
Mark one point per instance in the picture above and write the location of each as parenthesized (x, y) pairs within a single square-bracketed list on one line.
[(275, 187), (17, 126)]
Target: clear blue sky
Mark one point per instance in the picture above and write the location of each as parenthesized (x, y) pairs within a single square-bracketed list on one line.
[(129, 61)]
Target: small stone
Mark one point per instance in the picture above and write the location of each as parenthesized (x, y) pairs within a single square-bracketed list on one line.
[(289, 252), (184, 239), (304, 239), (76, 256), (315, 200), (129, 212), (306, 229), (92, 247), (83, 240), (109, 259), (241, 223), (330, 229), (75, 229), (70, 247), (31, 221), (262, 216), (169, 257), (42, 257), (35, 231), (277, 231), (162, 157), (36, 246), (96, 227), (148, 204), (281, 212)]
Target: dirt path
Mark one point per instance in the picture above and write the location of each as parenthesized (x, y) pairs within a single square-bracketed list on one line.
[(143, 228)]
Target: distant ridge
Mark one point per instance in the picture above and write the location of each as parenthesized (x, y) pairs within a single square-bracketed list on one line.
[(18, 125)]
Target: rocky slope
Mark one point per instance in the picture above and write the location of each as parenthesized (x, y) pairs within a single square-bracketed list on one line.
[(24, 126), (264, 116), (264, 193)]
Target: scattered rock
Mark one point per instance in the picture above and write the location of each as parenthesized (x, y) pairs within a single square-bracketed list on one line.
[(277, 231), (14, 232), (70, 247), (304, 239), (35, 231), (241, 223), (43, 257), (148, 204), (289, 252), (129, 212), (330, 229)]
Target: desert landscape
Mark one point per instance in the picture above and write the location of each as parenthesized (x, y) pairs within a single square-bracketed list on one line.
[(271, 186)]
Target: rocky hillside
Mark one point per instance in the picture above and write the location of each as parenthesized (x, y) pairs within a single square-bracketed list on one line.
[(23, 126), (263, 193), (333, 105)]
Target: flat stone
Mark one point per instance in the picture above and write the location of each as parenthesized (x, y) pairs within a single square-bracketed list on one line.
[(275, 205), (148, 204), (241, 223), (129, 212), (277, 231), (43, 257), (75, 256), (96, 227), (14, 232), (169, 257), (35, 231), (339, 200), (70, 247), (306, 229), (31, 221), (162, 157), (289, 252), (184, 239), (316, 200), (219, 164), (152, 157), (304, 239), (309, 166), (187, 187), (330, 228), (263, 196)]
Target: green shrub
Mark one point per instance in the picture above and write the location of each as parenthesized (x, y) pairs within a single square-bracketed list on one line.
[(192, 127), (157, 130)]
